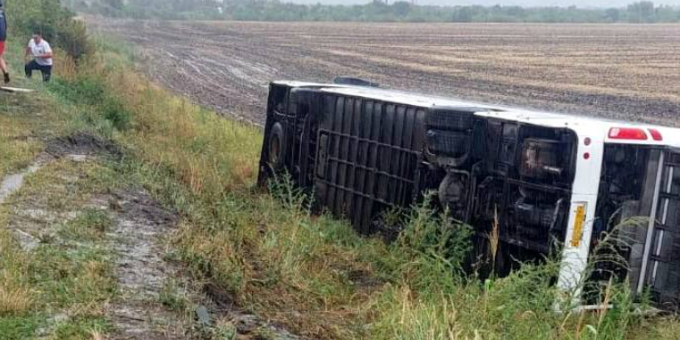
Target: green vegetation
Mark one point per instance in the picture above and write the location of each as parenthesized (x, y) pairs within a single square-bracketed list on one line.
[(313, 274), (173, 297), (58, 286), (23, 119), (54, 286), (398, 11), (265, 253), (52, 19), (89, 225)]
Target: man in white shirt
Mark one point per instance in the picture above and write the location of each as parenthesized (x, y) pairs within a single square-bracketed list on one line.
[(41, 52)]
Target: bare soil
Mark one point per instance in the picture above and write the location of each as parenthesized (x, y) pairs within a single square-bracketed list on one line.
[(140, 225), (81, 144), (629, 72), (33, 218), (139, 246), (135, 239)]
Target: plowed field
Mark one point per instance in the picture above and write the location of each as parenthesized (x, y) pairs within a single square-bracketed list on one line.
[(619, 71)]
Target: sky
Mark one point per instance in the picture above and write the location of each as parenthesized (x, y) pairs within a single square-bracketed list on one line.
[(564, 3)]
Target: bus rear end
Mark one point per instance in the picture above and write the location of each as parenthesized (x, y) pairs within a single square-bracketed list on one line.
[(636, 213)]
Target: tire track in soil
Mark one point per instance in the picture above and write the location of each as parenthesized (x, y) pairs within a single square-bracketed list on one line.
[(138, 241), (612, 71), (140, 225), (139, 221)]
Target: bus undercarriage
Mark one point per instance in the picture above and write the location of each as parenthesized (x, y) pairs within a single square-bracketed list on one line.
[(361, 156)]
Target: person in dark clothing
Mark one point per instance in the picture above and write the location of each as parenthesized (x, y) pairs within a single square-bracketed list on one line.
[(40, 50), (3, 37)]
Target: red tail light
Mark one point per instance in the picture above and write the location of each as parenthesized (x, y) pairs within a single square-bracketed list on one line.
[(628, 133), (656, 135)]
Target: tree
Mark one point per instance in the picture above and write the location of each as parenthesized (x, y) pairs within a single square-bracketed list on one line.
[(462, 14), (640, 12), (401, 8), (115, 4), (613, 15)]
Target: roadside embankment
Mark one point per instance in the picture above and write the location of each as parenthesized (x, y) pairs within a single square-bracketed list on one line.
[(145, 209)]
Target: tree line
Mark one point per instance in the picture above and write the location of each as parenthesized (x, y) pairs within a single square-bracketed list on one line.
[(376, 11)]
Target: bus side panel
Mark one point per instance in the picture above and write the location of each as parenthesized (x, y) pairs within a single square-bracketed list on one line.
[(367, 157)]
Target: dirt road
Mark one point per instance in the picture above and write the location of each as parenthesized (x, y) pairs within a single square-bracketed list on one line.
[(617, 71)]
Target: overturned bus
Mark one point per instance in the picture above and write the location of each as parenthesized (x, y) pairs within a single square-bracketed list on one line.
[(361, 150)]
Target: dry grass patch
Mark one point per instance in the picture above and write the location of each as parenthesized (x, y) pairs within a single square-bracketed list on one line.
[(17, 142), (14, 300), (16, 296), (313, 275)]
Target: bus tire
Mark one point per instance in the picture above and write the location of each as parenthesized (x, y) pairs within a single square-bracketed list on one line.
[(277, 146)]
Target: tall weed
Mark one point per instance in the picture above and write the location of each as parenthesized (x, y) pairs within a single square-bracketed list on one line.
[(313, 274)]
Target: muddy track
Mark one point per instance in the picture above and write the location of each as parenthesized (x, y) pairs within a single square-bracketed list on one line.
[(139, 245), (617, 71), (140, 224)]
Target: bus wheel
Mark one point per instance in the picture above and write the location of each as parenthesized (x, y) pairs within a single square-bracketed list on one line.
[(277, 144)]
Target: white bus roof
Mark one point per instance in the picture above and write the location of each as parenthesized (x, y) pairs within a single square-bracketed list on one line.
[(584, 126)]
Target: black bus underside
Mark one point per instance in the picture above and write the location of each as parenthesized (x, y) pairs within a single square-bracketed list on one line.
[(359, 157)]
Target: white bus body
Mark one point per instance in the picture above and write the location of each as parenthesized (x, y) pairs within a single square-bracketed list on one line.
[(303, 117)]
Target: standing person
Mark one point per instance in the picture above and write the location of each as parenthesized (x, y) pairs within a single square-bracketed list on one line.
[(40, 50), (3, 37)]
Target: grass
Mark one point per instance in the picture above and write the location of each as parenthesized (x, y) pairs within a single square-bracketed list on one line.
[(19, 327), (90, 225), (23, 121), (15, 296), (27, 120), (173, 296), (313, 274), (69, 276), (55, 278), (266, 253), (19, 149)]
